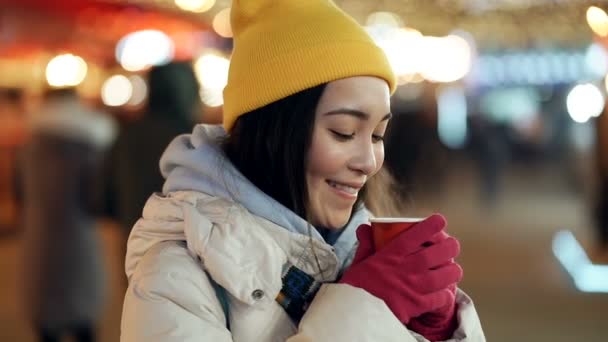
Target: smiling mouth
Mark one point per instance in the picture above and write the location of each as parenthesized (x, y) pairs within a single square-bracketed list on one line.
[(344, 188)]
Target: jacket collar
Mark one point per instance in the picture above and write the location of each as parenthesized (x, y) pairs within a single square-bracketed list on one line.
[(242, 252), (196, 162)]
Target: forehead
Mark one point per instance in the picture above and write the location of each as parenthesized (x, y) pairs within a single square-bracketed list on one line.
[(365, 93)]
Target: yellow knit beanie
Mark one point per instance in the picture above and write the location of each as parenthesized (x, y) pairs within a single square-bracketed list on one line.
[(282, 47)]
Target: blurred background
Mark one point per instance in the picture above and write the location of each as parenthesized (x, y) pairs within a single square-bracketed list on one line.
[(499, 124)]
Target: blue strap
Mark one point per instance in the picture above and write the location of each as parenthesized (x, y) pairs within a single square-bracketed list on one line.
[(220, 293), (298, 291)]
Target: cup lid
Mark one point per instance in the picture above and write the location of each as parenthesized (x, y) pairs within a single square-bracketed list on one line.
[(395, 219)]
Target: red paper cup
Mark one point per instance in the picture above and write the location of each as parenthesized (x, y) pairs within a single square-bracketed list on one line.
[(384, 229)]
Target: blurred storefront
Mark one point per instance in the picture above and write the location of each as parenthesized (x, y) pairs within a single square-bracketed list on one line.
[(485, 88), (104, 49), (498, 81)]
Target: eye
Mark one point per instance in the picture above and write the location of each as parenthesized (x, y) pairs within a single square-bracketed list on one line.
[(377, 138), (342, 136)]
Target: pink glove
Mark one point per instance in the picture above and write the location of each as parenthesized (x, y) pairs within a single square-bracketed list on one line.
[(438, 325), (410, 276)]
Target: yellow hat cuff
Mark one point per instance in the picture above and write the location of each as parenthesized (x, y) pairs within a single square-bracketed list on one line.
[(300, 69)]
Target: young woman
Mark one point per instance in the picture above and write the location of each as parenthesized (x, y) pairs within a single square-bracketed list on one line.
[(254, 237)]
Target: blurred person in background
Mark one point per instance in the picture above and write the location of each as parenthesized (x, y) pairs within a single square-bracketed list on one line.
[(63, 264), (131, 169), (12, 118), (406, 129), (13, 134), (601, 209), (418, 168), (490, 154), (255, 216)]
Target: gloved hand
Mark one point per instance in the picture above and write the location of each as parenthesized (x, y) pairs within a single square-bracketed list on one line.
[(438, 325), (410, 274)]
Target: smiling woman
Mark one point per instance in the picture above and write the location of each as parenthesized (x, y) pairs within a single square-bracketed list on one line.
[(346, 148), (254, 237), (324, 153)]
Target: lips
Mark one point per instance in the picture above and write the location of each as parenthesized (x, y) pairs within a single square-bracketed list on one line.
[(348, 188)]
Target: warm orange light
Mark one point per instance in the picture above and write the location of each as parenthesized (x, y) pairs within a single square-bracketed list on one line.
[(197, 6), (66, 70), (221, 23), (597, 20)]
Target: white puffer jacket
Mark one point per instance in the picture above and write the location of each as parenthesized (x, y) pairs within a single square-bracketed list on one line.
[(189, 242), (171, 298)]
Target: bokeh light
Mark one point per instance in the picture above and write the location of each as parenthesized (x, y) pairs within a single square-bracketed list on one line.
[(212, 73), (66, 70), (403, 48), (447, 59), (197, 6), (451, 116), (221, 23), (573, 257), (116, 91), (140, 90), (542, 66), (584, 101), (597, 20), (596, 60), (384, 19), (142, 49), (437, 59)]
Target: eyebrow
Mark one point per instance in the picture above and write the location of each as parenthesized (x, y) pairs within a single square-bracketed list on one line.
[(356, 113)]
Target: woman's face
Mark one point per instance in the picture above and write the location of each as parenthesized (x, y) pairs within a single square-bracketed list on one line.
[(347, 146)]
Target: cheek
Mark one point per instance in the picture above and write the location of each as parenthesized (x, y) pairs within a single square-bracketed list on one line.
[(315, 164), (325, 158), (379, 155)]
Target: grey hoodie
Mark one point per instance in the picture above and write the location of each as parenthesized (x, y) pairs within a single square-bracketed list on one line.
[(196, 162)]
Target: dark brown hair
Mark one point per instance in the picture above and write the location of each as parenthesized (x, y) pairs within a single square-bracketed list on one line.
[(269, 146)]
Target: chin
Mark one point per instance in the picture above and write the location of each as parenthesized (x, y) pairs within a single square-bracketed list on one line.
[(337, 222)]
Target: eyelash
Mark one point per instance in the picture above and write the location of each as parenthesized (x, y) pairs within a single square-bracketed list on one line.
[(342, 137), (346, 137), (378, 138)]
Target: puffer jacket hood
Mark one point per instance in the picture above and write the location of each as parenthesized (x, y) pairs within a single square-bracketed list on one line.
[(195, 162)]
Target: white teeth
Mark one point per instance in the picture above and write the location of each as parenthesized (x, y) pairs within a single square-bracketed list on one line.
[(345, 188)]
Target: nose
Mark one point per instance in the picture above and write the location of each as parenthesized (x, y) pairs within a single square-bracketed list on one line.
[(364, 159)]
